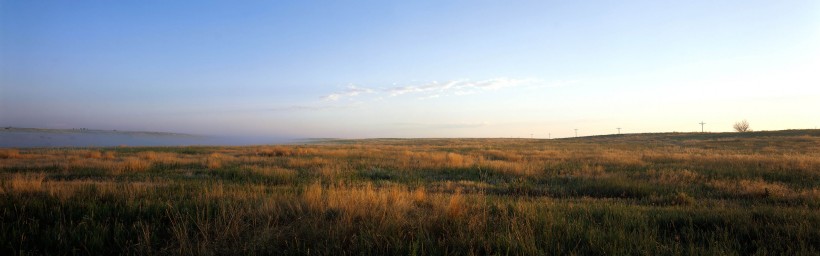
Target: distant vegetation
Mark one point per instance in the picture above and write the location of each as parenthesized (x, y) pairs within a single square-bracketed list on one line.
[(742, 126), (648, 194)]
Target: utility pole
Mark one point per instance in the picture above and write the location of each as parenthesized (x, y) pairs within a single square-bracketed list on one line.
[(701, 126), (549, 136), (576, 133), (531, 136), (619, 130)]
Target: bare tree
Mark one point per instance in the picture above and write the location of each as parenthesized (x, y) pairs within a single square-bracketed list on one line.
[(742, 126)]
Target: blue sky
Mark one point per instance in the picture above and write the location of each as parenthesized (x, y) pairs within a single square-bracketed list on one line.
[(358, 69)]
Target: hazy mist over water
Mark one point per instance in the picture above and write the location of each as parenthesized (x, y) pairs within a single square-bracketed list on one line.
[(99, 138)]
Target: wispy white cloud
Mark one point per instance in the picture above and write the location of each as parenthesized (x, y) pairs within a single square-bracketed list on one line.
[(434, 86), (441, 125), (351, 91), (470, 87), (457, 87), (300, 108), (436, 89)]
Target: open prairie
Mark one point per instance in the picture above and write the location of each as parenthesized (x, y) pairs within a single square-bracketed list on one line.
[(645, 194)]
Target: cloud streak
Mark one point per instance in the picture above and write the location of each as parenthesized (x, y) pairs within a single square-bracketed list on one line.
[(441, 125), (434, 89), (351, 91), (458, 87)]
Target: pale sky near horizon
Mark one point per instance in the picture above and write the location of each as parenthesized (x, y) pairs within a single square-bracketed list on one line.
[(358, 69)]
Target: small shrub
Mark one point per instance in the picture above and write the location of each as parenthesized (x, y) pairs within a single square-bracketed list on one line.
[(742, 126)]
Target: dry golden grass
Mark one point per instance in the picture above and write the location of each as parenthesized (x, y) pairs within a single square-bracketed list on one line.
[(109, 155), (501, 155), (365, 202), (306, 163), (419, 196), (23, 183), (133, 164), (94, 154), (66, 189), (505, 167), (328, 172), (755, 188), (621, 158), (456, 205), (505, 196), (285, 151), (274, 171), (391, 204), (160, 157), (214, 161), (67, 160), (674, 177), (225, 191), (313, 197), (9, 153)]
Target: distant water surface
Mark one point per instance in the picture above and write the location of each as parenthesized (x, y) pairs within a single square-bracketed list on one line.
[(27, 137)]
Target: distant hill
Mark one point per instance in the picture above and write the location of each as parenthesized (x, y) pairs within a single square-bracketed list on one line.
[(753, 141), (683, 136)]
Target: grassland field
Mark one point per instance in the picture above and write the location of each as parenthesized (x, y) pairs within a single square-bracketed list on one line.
[(752, 193)]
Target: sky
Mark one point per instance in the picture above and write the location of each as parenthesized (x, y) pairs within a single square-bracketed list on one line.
[(363, 69)]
